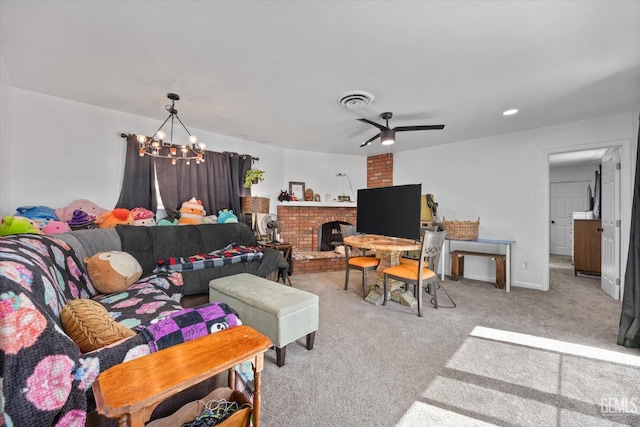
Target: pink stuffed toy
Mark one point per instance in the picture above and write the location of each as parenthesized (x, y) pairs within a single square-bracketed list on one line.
[(65, 214), (142, 217), (55, 227)]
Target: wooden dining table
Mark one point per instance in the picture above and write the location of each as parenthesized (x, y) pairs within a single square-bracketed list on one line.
[(388, 249)]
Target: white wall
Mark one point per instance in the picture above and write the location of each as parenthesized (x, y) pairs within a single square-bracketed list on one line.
[(64, 150), (5, 137), (500, 179), (574, 173), (318, 172)]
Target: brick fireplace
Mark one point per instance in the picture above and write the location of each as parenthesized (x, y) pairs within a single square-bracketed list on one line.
[(302, 220)]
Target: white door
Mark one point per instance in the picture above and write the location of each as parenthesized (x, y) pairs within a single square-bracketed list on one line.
[(610, 214), (566, 197)]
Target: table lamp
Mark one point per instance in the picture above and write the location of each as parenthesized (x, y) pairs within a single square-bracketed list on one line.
[(255, 205)]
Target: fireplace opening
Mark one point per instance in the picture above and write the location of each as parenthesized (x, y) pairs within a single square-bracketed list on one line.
[(329, 235)]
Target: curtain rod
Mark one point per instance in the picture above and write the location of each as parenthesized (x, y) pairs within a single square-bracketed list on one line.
[(253, 159)]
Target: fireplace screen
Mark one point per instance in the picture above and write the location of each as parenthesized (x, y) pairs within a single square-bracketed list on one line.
[(329, 235)]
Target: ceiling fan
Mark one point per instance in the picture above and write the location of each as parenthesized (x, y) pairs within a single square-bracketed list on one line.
[(388, 135)]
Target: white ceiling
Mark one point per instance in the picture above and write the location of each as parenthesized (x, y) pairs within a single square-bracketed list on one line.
[(271, 71)]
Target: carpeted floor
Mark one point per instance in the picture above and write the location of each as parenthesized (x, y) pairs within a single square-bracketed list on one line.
[(385, 366)]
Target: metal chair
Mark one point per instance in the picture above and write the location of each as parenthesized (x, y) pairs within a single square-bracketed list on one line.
[(363, 263), (418, 274)]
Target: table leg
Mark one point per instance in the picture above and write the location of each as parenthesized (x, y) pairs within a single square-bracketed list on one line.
[(507, 286), (257, 398)]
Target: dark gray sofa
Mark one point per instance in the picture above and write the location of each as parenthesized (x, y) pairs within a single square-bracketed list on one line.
[(150, 244)]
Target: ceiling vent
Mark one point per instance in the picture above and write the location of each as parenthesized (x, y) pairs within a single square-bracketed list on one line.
[(355, 100)]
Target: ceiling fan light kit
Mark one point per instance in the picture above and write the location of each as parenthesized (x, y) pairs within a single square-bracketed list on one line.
[(388, 135)]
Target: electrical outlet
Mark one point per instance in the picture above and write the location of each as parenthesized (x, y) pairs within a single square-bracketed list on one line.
[(525, 265)]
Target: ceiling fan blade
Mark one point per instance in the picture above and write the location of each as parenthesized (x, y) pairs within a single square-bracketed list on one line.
[(378, 125), (425, 127), (364, 144)]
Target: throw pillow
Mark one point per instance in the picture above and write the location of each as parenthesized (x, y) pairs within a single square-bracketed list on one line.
[(113, 271), (89, 325)]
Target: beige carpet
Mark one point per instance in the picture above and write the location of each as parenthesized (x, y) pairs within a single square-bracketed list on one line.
[(518, 359)]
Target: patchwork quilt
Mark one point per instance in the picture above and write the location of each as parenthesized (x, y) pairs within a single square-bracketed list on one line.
[(231, 254)]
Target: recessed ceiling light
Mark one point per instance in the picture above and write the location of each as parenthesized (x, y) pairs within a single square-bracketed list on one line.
[(510, 112)]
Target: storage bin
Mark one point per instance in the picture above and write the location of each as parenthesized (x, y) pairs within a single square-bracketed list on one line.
[(189, 412), (461, 230)]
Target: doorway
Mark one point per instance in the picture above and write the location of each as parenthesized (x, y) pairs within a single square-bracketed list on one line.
[(581, 182)]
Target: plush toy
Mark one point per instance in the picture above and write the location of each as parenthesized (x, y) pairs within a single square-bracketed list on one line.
[(113, 271), (284, 196), (210, 219), (43, 213), (55, 227), (82, 220), (17, 225), (165, 221), (112, 218), (65, 214), (191, 212), (226, 216), (143, 217)]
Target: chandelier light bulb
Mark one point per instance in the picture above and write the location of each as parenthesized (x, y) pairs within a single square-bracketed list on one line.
[(141, 139), (174, 161), (193, 139), (202, 145), (155, 144), (188, 162), (161, 135)]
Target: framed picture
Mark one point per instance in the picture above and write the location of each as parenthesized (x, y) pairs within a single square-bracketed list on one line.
[(296, 189)]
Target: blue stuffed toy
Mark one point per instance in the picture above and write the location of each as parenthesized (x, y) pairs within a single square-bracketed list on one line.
[(226, 216)]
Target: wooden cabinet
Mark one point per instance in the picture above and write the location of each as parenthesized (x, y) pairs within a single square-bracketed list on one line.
[(587, 246)]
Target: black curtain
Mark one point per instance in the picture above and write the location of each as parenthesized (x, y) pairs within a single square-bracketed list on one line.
[(217, 182), (138, 189), (629, 335)]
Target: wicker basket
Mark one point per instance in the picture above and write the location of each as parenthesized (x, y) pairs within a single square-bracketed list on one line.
[(461, 230)]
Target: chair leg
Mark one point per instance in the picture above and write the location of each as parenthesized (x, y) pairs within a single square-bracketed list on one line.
[(346, 279), (384, 290), (364, 282), (419, 288), (435, 294)]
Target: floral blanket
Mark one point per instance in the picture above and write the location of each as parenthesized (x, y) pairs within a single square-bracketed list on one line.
[(232, 254), (44, 378)]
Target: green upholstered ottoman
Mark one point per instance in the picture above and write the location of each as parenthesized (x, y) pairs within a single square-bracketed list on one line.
[(282, 313)]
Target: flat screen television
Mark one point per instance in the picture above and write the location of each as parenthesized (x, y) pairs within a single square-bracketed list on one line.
[(390, 211)]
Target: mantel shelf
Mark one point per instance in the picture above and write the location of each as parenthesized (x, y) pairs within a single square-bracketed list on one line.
[(318, 204)]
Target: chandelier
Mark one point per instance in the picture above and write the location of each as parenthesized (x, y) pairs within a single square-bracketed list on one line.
[(158, 146)]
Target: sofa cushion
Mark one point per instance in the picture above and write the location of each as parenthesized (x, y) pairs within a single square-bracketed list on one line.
[(144, 301), (89, 325)]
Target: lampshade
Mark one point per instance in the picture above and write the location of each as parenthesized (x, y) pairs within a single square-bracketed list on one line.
[(252, 204)]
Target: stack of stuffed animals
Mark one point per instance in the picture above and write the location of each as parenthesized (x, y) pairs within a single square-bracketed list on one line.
[(84, 214)]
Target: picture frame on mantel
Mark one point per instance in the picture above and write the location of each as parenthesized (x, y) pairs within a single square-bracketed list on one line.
[(297, 189)]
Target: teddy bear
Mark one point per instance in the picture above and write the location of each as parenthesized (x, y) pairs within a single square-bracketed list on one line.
[(114, 217), (66, 213), (18, 225), (82, 220), (55, 227), (191, 212), (226, 216), (143, 217)]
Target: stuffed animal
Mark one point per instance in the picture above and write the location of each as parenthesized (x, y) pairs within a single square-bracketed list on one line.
[(143, 217), (284, 196), (66, 213), (191, 212), (55, 227), (166, 221), (82, 220), (210, 219), (44, 213), (113, 271), (17, 225), (114, 217), (226, 216)]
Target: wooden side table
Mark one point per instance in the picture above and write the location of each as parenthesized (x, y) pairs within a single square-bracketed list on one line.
[(286, 249), (131, 390)]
